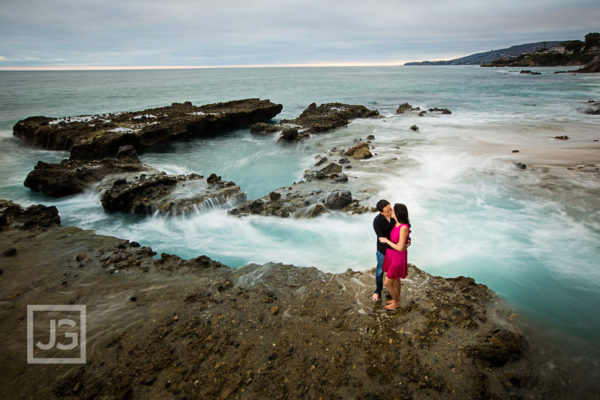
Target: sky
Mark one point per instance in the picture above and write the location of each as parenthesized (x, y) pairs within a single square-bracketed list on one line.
[(182, 33)]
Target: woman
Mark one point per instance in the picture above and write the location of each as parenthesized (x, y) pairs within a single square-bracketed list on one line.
[(395, 263)]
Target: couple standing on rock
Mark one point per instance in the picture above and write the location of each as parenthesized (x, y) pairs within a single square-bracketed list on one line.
[(392, 228)]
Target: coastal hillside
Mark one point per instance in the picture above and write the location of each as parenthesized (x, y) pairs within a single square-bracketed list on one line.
[(489, 56), (540, 54), (572, 52)]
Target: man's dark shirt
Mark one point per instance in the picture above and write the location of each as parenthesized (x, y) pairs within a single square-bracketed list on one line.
[(382, 229)]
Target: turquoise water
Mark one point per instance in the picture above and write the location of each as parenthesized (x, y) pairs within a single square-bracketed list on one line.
[(472, 212)]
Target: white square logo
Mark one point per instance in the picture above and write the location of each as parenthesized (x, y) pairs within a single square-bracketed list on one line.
[(56, 334)]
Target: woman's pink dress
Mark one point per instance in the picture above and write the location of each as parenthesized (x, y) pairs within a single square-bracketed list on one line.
[(395, 262)]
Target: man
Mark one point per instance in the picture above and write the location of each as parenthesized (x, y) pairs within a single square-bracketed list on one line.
[(382, 224)]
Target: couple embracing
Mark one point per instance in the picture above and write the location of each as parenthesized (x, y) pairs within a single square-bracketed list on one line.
[(392, 228)]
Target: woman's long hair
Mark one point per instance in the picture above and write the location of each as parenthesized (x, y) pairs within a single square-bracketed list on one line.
[(401, 214)]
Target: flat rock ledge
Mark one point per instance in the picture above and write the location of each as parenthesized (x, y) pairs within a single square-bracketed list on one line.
[(170, 195), (98, 136), (315, 119), (173, 328), (75, 176)]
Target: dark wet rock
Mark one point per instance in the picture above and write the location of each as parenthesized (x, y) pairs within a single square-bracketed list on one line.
[(291, 135), (529, 72), (594, 108), (128, 154), (422, 113), (343, 160), (330, 116), (406, 107), (371, 137), (414, 128), (564, 137), (330, 171), (99, 136), (213, 178), (444, 111), (274, 196), (316, 119), (515, 151), (322, 160), (171, 195), (36, 216), (498, 347), (360, 151), (74, 176), (338, 199), (10, 252), (264, 128), (520, 165)]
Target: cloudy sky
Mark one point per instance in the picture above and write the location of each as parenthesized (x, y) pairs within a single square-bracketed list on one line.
[(124, 33)]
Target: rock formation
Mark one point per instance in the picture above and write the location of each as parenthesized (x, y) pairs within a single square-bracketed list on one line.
[(170, 195), (316, 119), (74, 176), (172, 328), (592, 66), (99, 136), (359, 151)]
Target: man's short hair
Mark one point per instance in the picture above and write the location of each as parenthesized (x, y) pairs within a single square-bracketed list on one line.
[(381, 204)]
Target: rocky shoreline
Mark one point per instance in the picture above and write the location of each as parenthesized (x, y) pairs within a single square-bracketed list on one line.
[(173, 328), (166, 327), (129, 186)]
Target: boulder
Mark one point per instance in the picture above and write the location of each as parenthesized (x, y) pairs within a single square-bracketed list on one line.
[(338, 199), (274, 196), (402, 108), (360, 151), (291, 135), (414, 128), (330, 170), (442, 110), (594, 108), (529, 72)]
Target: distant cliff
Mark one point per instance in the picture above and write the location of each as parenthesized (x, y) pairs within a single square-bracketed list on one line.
[(489, 56), (572, 52), (540, 54)]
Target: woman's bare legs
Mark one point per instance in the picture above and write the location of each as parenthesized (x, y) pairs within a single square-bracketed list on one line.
[(398, 287), (393, 286)]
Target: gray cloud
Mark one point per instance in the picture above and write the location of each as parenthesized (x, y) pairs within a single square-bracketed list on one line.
[(227, 32)]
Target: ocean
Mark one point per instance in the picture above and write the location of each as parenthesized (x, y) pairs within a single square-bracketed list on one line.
[(532, 236)]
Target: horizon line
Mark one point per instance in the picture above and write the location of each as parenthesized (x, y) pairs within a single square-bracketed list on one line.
[(397, 63)]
